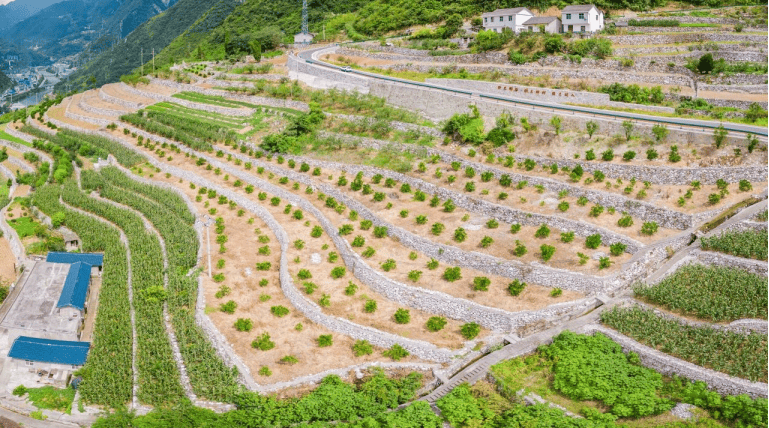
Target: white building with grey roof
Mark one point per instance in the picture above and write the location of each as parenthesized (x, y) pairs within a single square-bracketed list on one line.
[(583, 18), (543, 24), (500, 19)]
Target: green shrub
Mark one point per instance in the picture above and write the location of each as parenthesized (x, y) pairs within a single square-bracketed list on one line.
[(380, 231), (309, 287), (279, 311), (432, 264), (452, 274), (547, 252), (649, 228), (616, 249), (593, 241), (263, 342), (366, 224), (516, 287), (414, 275), (396, 352), (362, 347), (402, 316), (460, 234), (325, 340), (470, 330), (567, 237), (304, 274), (542, 232), (520, 249), (388, 265), (244, 324), (338, 272), (556, 292), (515, 228), (625, 221), (481, 283), (436, 323), (359, 241), (228, 307), (316, 232), (370, 306), (351, 289)]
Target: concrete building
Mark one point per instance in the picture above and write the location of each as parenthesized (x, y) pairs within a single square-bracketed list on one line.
[(71, 240), (50, 361), (500, 19), (584, 18), (303, 38), (546, 24), (45, 317)]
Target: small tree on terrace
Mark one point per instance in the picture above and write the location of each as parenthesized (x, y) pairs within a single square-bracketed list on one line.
[(705, 64), (628, 126), (591, 127), (556, 122), (719, 136), (256, 50), (660, 132)]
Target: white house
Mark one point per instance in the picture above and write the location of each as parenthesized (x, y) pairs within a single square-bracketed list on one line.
[(548, 24), (506, 18), (584, 18)]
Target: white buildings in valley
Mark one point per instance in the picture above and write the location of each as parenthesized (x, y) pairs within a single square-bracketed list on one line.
[(586, 19)]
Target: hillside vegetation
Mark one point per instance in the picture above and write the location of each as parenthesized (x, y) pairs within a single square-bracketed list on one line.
[(156, 34)]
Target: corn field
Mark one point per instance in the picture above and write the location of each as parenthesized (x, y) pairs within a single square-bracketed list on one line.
[(107, 374), (736, 354), (711, 293), (749, 244)]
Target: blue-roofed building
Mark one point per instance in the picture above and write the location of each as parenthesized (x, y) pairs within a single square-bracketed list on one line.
[(75, 286), (49, 351), (45, 361), (95, 260)]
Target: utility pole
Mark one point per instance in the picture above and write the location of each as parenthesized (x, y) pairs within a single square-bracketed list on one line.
[(153, 61), (142, 61)]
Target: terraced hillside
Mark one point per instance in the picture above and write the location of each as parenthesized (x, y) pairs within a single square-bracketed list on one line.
[(262, 236)]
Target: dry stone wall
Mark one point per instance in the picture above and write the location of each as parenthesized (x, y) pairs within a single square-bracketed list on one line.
[(643, 210), (659, 174)]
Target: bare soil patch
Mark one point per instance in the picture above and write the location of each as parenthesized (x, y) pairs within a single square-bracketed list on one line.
[(7, 265)]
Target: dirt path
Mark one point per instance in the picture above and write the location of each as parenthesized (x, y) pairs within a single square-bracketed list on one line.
[(7, 268)]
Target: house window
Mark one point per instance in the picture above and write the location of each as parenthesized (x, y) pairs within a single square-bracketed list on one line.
[(492, 19), (581, 16), (568, 16), (485, 19), (29, 363), (582, 29), (531, 28), (501, 19), (510, 18)]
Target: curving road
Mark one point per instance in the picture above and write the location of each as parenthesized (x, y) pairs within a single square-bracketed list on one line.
[(703, 126)]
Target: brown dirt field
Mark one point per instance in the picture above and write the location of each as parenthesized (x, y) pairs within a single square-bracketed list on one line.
[(57, 112), (240, 255), (157, 89), (116, 91), (21, 190), (350, 307), (7, 271), (531, 202), (73, 107), (92, 99)]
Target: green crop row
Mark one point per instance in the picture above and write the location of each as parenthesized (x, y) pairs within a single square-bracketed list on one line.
[(749, 244), (736, 354), (159, 381), (209, 376), (107, 374), (712, 293)]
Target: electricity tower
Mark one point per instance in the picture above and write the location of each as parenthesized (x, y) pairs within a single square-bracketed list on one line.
[(305, 29)]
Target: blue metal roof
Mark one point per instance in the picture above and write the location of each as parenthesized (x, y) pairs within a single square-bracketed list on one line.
[(91, 259), (49, 351), (75, 286)]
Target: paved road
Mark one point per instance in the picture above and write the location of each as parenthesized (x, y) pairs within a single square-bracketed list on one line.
[(702, 126)]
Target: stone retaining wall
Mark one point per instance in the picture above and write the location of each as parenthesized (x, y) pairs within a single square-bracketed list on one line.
[(272, 102), (83, 105), (478, 206), (237, 112), (648, 212), (669, 366), (8, 232), (119, 101), (694, 35), (658, 174), (757, 267)]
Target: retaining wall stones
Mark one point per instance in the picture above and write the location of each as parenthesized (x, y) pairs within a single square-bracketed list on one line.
[(757, 267), (272, 102), (658, 174), (82, 103), (648, 212), (119, 101), (8, 232), (669, 366), (693, 36), (478, 206), (238, 112)]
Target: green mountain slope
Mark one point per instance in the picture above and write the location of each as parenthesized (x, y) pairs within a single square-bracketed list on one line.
[(156, 34), (5, 82)]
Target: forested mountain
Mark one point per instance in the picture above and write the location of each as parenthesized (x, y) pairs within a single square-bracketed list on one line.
[(68, 27), (5, 82), (156, 34), (19, 10)]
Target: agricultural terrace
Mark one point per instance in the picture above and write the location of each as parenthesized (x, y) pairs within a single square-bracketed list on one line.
[(262, 236)]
